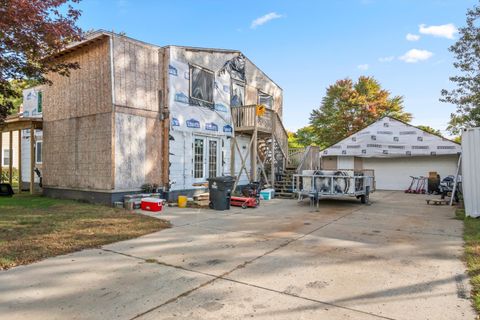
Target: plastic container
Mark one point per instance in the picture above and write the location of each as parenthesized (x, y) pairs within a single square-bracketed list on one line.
[(151, 204), (182, 201), (267, 194)]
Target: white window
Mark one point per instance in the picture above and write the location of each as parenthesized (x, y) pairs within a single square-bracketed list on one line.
[(38, 152), (201, 84), (265, 99), (6, 157), (206, 162)]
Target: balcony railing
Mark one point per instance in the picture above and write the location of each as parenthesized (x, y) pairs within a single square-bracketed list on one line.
[(245, 120)]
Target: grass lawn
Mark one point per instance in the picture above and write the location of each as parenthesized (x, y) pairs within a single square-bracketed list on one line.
[(34, 227), (471, 236)]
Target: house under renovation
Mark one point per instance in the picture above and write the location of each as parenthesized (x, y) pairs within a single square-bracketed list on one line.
[(136, 113), (395, 151)]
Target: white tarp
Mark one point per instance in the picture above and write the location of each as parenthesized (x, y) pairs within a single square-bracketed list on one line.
[(389, 137), (471, 171)]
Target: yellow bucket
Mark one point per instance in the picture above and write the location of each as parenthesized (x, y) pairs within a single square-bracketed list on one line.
[(182, 201)]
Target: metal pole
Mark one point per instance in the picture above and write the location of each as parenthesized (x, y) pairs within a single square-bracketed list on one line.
[(455, 180)]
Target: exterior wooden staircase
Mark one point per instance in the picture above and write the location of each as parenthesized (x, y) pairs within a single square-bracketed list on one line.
[(284, 184)]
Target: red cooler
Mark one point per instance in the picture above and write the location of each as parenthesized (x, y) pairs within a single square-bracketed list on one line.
[(152, 204)]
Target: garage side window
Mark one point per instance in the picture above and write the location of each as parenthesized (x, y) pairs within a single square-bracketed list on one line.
[(201, 84)]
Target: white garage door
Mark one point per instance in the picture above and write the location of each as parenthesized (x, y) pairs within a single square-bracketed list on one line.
[(394, 173)]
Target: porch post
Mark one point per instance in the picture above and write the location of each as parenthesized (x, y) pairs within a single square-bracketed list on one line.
[(19, 161), (272, 165), (32, 157), (254, 148), (10, 155)]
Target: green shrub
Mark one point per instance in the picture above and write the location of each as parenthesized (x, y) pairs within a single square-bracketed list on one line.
[(5, 173)]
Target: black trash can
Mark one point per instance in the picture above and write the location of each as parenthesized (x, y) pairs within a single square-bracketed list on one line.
[(220, 189)]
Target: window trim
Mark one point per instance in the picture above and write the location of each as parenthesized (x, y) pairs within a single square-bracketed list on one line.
[(36, 154), (3, 157), (191, 67), (239, 83), (264, 93)]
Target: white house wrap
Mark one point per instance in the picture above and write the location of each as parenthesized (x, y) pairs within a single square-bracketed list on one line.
[(389, 137)]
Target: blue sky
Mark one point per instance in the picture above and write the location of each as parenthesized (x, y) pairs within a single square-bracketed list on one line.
[(306, 45)]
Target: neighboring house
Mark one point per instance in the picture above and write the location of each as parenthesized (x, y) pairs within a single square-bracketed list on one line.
[(395, 150), (31, 109), (5, 152), (136, 113)]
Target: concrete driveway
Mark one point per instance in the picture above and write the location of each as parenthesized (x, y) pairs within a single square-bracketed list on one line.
[(395, 259)]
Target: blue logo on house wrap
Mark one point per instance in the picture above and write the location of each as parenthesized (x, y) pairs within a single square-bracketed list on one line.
[(226, 89), (181, 97), (186, 75), (211, 126), (192, 123), (220, 107), (175, 122), (172, 70), (227, 128)]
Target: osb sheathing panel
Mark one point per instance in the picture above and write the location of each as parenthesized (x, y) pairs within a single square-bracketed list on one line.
[(138, 148), (87, 90), (153, 167), (137, 72), (78, 153)]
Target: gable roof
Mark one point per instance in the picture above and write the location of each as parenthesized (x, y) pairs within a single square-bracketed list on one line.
[(390, 137)]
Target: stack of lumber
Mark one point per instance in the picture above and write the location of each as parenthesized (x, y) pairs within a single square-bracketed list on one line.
[(202, 199)]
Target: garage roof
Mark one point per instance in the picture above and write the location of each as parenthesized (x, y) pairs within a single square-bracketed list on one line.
[(389, 137)]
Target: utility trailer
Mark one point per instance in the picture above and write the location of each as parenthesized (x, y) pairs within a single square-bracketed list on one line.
[(314, 184)]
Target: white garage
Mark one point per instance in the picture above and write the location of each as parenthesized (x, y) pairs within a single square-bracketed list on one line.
[(394, 150)]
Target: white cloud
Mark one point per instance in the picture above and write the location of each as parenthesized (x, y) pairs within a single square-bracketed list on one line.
[(386, 59), (416, 55), (363, 67), (444, 31), (264, 19), (412, 37)]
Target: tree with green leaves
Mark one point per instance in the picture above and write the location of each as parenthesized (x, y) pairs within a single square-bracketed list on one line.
[(31, 33), (466, 95), (430, 130), (303, 137), (349, 106)]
